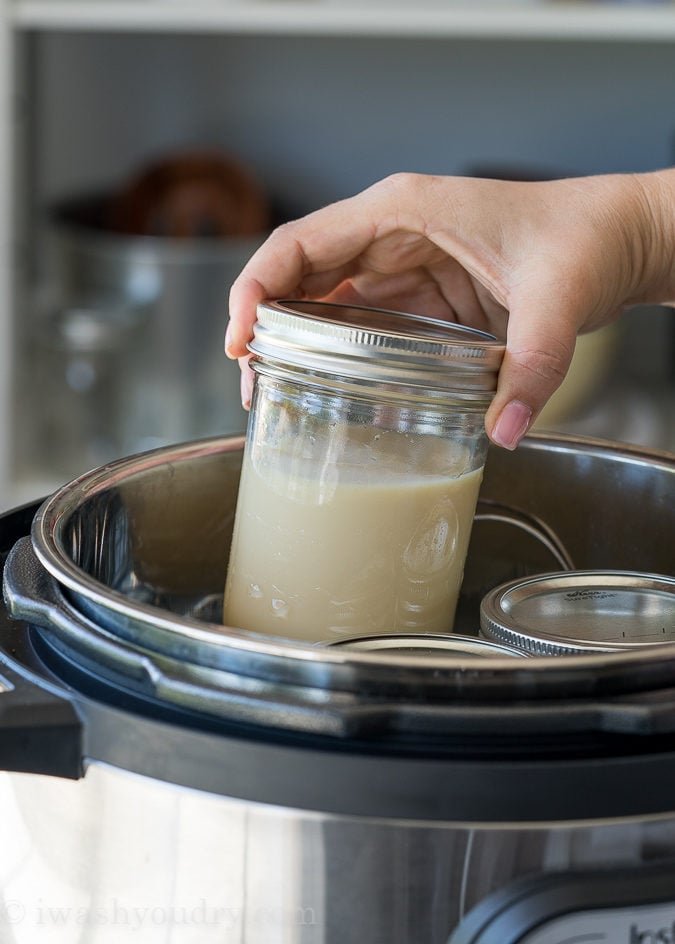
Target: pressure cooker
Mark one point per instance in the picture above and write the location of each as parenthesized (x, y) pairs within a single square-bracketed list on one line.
[(174, 779)]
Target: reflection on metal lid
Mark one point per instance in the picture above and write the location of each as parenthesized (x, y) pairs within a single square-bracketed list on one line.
[(581, 612), (372, 344), (428, 645)]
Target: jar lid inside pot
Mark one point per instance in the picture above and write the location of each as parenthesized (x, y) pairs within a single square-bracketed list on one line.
[(378, 346), (428, 645), (581, 612)]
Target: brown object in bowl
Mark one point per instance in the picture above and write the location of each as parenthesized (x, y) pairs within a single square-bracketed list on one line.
[(191, 195)]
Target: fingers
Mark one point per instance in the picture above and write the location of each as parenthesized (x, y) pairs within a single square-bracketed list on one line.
[(466, 250), (307, 257), (245, 295), (375, 233), (539, 349)]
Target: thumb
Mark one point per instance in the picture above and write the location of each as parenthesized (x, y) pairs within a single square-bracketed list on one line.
[(539, 349)]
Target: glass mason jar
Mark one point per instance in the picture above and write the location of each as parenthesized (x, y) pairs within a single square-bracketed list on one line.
[(361, 469)]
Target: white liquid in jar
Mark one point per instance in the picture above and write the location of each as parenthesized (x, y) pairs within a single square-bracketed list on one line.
[(321, 554)]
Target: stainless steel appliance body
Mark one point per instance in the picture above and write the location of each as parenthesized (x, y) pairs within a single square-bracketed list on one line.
[(178, 783)]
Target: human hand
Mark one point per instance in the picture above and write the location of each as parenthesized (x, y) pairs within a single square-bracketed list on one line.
[(533, 262)]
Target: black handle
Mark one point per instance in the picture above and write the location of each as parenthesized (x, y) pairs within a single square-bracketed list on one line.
[(40, 730)]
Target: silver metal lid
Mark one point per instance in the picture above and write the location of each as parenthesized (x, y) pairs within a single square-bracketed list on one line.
[(374, 345), (429, 645), (581, 611)]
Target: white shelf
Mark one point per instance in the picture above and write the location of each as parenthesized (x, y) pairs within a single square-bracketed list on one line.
[(490, 19), (499, 20)]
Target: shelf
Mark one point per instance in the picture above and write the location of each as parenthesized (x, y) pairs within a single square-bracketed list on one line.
[(492, 19)]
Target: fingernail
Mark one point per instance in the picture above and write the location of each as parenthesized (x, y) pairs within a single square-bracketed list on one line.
[(246, 385), (512, 424), (227, 340)]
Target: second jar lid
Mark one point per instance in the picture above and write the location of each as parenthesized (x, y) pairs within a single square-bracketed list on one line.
[(581, 612), (379, 346)]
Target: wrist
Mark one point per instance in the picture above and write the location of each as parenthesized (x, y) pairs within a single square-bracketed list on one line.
[(655, 206)]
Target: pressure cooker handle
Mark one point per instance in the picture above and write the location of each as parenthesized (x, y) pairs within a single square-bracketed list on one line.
[(40, 730)]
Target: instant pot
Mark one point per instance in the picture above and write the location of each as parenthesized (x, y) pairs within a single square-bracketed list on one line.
[(170, 778)]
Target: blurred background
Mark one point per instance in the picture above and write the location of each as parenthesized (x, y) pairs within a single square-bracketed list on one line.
[(146, 148)]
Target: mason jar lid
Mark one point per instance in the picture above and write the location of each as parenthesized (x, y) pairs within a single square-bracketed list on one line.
[(430, 645), (581, 612), (373, 345)]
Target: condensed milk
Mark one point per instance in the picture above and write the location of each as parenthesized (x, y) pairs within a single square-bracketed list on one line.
[(318, 559)]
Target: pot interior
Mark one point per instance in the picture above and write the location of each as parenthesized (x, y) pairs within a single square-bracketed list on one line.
[(157, 527)]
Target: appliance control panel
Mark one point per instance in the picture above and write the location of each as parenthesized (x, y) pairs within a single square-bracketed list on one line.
[(613, 906), (649, 924)]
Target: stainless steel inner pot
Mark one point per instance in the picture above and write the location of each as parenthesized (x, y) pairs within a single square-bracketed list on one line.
[(137, 551)]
